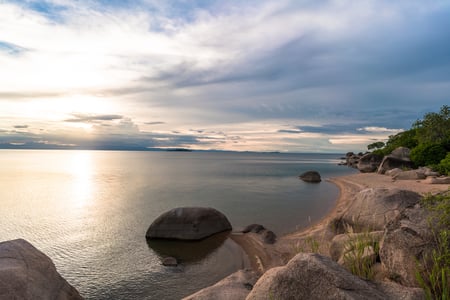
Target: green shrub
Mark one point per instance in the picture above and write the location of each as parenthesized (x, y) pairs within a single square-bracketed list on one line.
[(435, 280), (444, 166), (428, 154)]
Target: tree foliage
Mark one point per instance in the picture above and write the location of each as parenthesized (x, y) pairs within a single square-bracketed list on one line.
[(434, 128), (428, 154), (376, 145), (428, 139)]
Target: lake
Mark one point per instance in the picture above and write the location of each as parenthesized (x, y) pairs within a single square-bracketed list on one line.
[(89, 211)]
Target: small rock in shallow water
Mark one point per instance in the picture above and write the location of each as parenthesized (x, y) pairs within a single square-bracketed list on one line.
[(311, 176), (170, 262), (256, 228), (269, 237)]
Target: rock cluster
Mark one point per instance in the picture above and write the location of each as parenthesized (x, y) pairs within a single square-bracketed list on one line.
[(392, 236), (267, 236), (398, 165)]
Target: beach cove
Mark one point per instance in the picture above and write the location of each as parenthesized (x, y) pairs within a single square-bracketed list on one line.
[(316, 238)]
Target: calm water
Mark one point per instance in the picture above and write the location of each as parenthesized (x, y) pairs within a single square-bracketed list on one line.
[(89, 211)]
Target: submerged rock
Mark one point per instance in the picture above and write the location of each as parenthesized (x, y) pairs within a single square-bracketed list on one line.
[(27, 273), (170, 262), (311, 176), (188, 223)]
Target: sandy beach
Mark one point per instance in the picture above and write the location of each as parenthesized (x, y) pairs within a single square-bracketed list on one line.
[(317, 237)]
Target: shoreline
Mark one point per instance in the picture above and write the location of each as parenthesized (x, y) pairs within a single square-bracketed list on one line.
[(318, 236)]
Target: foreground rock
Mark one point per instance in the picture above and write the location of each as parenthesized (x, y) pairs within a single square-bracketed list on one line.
[(234, 287), (407, 242), (311, 176), (312, 276), (372, 208), (27, 273), (188, 223)]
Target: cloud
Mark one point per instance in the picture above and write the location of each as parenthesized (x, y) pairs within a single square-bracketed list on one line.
[(329, 69), (21, 126), (154, 123), (289, 131), (11, 48), (375, 129), (93, 118)]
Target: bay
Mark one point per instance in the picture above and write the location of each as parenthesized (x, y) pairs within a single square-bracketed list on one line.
[(89, 211)]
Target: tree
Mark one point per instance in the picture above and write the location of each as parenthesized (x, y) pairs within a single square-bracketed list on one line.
[(376, 145), (406, 139), (434, 128)]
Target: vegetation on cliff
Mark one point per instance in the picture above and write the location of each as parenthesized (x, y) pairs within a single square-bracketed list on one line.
[(428, 139)]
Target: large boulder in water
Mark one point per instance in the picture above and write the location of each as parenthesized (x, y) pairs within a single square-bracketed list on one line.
[(27, 273), (188, 223), (311, 176)]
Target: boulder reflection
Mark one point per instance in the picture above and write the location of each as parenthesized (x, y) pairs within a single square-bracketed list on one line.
[(188, 251)]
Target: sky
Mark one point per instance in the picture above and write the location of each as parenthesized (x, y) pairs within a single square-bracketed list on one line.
[(256, 75)]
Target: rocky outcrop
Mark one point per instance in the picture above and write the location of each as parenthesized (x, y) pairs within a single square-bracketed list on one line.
[(372, 208), (437, 180), (428, 172), (311, 176), (393, 172), (408, 240), (409, 175), (234, 287), (352, 159), (27, 273), (369, 162), (265, 235), (312, 276), (188, 223), (399, 158), (255, 228)]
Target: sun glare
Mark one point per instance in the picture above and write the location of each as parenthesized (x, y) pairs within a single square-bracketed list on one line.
[(82, 173)]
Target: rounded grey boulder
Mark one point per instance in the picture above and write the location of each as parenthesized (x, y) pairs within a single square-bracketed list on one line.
[(311, 176), (188, 223), (27, 273)]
